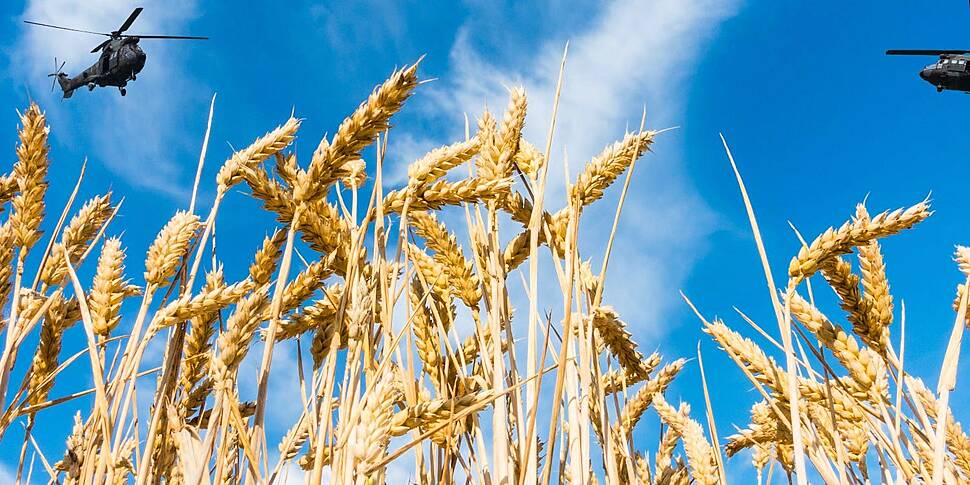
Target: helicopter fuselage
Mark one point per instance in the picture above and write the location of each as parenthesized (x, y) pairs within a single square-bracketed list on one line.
[(950, 72), (121, 60)]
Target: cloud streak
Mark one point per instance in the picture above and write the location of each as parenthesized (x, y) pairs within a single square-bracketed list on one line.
[(630, 54)]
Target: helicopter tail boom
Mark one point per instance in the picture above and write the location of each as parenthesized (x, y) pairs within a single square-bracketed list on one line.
[(65, 83)]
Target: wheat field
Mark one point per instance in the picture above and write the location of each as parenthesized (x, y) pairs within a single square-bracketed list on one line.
[(410, 349)]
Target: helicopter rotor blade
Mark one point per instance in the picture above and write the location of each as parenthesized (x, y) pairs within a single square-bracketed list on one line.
[(54, 75), (100, 46), (129, 21), (924, 52), (180, 37), (65, 28)]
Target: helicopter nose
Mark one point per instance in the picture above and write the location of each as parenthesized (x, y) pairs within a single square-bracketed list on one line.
[(925, 74)]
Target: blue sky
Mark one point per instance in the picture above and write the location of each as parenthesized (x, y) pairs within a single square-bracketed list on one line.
[(817, 116)]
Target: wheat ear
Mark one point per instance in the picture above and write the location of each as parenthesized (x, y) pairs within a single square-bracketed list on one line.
[(269, 144), (699, 453), (109, 288), (834, 242), (30, 172), (76, 236), (168, 248)]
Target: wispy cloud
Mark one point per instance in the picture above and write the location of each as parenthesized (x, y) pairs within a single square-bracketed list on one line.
[(6, 475), (138, 137), (631, 54), (346, 33)]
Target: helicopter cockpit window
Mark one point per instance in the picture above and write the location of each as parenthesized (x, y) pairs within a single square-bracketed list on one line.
[(955, 65)]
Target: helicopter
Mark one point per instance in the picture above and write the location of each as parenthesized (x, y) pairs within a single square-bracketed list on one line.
[(950, 72), (120, 61)]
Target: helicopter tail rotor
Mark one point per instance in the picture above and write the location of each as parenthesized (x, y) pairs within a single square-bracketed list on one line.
[(60, 78), (57, 72)]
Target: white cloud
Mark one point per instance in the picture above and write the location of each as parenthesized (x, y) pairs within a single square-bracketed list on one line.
[(632, 53), (138, 137), (345, 32), (7, 475)]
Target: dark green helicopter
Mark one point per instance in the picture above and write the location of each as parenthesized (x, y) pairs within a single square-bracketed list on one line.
[(121, 58), (950, 72)]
